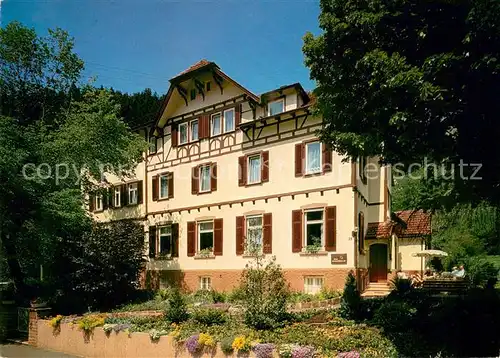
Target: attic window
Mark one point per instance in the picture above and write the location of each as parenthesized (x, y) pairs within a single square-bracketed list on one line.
[(276, 107), (193, 94), (208, 85)]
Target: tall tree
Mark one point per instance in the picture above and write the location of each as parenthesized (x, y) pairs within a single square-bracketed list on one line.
[(407, 80)]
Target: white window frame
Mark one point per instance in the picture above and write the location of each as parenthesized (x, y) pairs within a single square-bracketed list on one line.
[(247, 227), (159, 185), (320, 158), (191, 130), (130, 189), (117, 198), (169, 254), (224, 120), (313, 222), (185, 124), (205, 283), (282, 100), (99, 202), (248, 168), (311, 285), (212, 124), (199, 231), (200, 179)]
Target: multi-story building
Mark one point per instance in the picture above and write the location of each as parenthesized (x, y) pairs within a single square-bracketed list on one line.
[(229, 172)]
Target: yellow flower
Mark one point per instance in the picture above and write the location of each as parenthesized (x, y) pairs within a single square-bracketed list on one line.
[(238, 343), (206, 340)]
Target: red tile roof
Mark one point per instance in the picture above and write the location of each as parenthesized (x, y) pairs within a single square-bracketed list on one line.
[(417, 222), (380, 230), (197, 65)]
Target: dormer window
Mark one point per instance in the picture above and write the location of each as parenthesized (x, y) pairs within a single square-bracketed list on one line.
[(208, 85), (193, 94), (276, 107)]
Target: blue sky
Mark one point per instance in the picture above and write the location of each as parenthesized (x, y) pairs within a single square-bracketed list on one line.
[(131, 45)]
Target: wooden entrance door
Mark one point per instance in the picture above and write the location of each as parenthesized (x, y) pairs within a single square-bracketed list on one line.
[(378, 263)]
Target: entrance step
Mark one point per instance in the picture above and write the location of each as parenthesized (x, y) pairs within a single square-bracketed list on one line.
[(376, 289)]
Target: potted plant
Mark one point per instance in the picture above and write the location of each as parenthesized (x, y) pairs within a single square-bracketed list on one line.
[(206, 252), (314, 247)]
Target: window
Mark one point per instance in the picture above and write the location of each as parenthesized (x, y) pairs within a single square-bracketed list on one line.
[(193, 94), (133, 197), (118, 197), (313, 157), (205, 283), (229, 120), (216, 124), (204, 178), (254, 233), (254, 169), (362, 167), (152, 145), (276, 107), (313, 284), (206, 236), (208, 85), (163, 182), (165, 235), (183, 133), (313, 227), (99, 202), (194, 130)]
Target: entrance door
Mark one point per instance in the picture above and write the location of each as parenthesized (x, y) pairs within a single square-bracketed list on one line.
[(378, 262)]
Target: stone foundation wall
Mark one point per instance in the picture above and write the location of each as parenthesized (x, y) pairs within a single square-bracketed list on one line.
[(227, 280)]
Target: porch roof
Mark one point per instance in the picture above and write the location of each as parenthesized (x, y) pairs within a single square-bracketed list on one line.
[(406, 223)]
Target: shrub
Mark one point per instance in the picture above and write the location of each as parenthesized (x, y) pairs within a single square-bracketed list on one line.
[(177, 310), (163, 294), (236, 295), (89, 322), (209, 316), (226, 345), (285, 350), (192, 344), (351, 354), (108, 262), (218, 297), (266, 294), (263, 350), (155, 334), (304, 352), (480, 271), (394, 316), (401, 286), (55, 322), (206, 341), (350, 302)]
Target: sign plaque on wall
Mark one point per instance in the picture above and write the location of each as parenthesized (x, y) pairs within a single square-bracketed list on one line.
[(339, 259)]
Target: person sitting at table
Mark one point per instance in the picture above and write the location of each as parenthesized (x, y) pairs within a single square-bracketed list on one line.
[(460, 273)]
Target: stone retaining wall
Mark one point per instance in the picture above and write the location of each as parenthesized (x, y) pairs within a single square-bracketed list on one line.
[(70, 340)]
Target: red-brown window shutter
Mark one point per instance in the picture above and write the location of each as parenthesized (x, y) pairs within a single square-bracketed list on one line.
[(170, 185), (195, 172), (296, 230), (330, 228), (154, 187), (268, 233), (237, 115), (240, 234), (218, 237), (124, 194), (91, 202), (327, 159), (191, 238), (152, 241), (299, 161), (204, 127), (361, 232), (174, 137), (175, 240), (265, 167), (139, 192), (242, 171), (213, 177)]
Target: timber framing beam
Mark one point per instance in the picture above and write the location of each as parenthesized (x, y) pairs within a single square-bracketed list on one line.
[(182, 92), (218, 79), (200, 87)]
